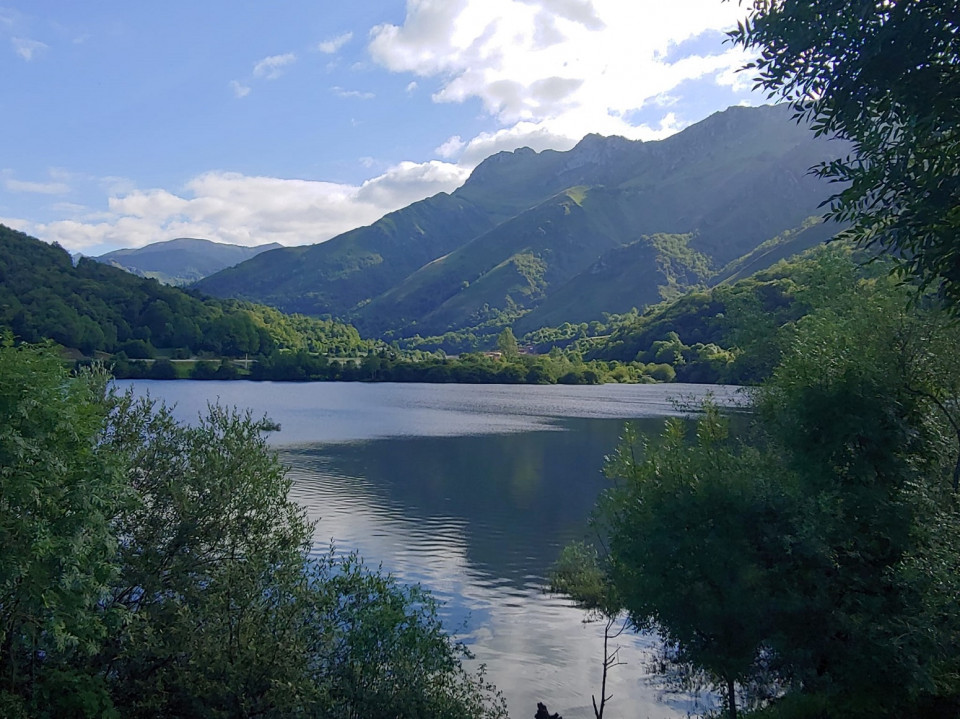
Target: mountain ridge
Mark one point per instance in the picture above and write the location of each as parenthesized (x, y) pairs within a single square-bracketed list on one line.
[(182, 260), (526, 223)]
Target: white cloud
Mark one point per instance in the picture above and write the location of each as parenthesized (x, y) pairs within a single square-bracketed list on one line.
[(411, 181), (738, 81), (451, 148), (329, 47), (28, 49), (272, 67), (231, 207), (357, 94), (559, 68), (547, 71), (239, 90)]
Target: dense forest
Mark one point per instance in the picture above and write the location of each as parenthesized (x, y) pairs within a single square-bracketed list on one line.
[(143, 329), (94, 308)]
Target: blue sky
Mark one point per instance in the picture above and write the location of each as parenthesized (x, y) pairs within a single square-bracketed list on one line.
[(126, 123)]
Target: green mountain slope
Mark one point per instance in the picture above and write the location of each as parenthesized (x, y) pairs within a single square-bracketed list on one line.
[(654, 268), (183, 260), (527, 236), (335, 276), (92, 307)]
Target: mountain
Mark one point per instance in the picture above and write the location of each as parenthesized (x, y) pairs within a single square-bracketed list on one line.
[(535, 238), (183, 260)]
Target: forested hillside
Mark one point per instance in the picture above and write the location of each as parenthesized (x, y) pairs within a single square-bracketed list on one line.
[(93, 307)]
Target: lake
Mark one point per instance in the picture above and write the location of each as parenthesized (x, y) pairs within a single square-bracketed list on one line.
[(471, 490)]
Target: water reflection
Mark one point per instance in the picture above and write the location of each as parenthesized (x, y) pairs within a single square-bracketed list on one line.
[(471, 491), (479, 520)]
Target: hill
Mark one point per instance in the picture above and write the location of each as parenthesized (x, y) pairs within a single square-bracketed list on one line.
[(531, 238), (183, 260), (92, 307)]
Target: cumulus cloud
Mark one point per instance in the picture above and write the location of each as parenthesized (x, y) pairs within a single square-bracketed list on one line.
[(270, 68), (245, 210), (28, 49), (329, 47), (559, 69), (411, 181), (451, 148)]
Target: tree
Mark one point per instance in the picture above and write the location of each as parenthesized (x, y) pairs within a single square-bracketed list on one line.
[(507, 344), (153, 568), (884, 75), (579, 573), (58, 496), (815, 556), (693, 527)]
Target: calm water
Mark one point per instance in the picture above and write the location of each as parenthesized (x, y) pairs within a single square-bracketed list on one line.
[(470, 490)]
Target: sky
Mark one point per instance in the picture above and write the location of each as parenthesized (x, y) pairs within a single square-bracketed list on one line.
[(247, 121)]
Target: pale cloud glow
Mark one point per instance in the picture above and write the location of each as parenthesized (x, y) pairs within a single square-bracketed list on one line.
[(270, 68), (28, 49), (58, 184), (329, 47), (42, 188), (239, 89), (554, 69), (451, 148), (235, 208), (356, 94)]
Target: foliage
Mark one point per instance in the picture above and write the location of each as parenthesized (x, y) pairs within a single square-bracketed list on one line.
[(579, 573), (807, 566), (153, 569), (691, 529), (95, 308), (468, 368), (507, 344), (886, 76), (58, 496)]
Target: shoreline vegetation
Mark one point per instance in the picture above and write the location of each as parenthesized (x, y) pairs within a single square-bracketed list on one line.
[(154, 568), (472, 368)]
